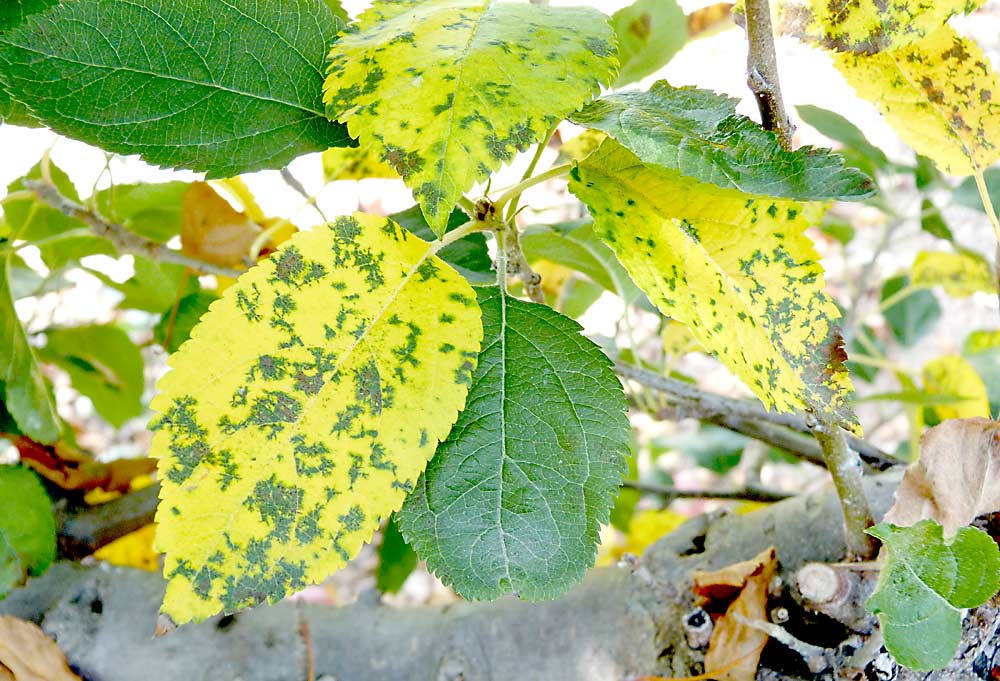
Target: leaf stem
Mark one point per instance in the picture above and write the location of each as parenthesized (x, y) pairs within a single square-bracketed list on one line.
[(900, 295), (542, 144), (762, 72), (984, 194), (19, 195), (670, 492), (515, 192)]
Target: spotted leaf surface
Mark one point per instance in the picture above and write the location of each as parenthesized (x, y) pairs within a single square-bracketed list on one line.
[(514, 498), (699, 133), (939, 94), (866, 26), (449, 90), (735, 268), (303, 409)]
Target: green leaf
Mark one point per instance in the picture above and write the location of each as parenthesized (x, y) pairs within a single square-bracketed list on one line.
[(223, 87), (925, 584), (154, 287), (699, 133), (712, 447), (303, 409), (32, 220), (27, 395), (857, 150), (628, 498), (960, 274), (649, 33), (151, 210), (737, 269), (469, 255), (932, 222), (396, 559), (12, 13), (912, 317), (865, 372), (841, 230), (190, 309), (103, 364), (513, 499), (450, 90), (27, 527), (967, 194)]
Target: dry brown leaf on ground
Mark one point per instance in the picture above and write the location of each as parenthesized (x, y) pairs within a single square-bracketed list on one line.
[(956, 479), (738, 589), (27, 654), (214, 231)]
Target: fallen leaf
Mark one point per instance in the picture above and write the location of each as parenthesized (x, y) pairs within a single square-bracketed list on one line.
[(956, 479), (73, 469), (214, 231), (644, 528), (29, 655), (739, 589), (134, 550)]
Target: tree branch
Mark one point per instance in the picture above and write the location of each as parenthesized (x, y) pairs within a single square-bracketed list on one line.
[(762, 72), (123, 240), (84, 530), (670, 492)]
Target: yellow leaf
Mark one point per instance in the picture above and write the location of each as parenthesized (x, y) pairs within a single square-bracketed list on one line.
[(581, 146), (355, 163), (135, 550), (678, 340), (737, 269), (953, 375), (961, 274), (303, 409), (866, 26), (939, 94)]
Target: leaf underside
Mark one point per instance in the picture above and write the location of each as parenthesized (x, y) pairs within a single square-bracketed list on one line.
[(303, 409), (157, 79), (699, 133), (449, 90), (513, 499), (736, 268)]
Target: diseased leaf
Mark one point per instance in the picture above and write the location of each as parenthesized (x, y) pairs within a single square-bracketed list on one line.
[(699, 133), (912, 317), (956, 479), (735, 268), (29, 654), (866, 26), (952, 375), (513, 499), (303, 409), (925, 584), (26, 394), (151, 210), (961, 274), (27, 527), (449, 90), (196, 100), (355, 163), (174, 329), (939, 94), (649, 33), (396, 559), (103, 364)]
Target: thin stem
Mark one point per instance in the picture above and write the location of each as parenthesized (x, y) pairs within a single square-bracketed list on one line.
[(845, 469), (467, 205), (458, 233), (899, 295), (520, 187), (512, 210), (984, 194), (19, 195), (762, 72), (311, 199), (671, 492)]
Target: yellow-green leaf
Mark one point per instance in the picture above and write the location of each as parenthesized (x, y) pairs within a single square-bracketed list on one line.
[(866, 26), (737, 269), (449, 90), (961, 274), (303, 409), (939, 94), (953, 375)]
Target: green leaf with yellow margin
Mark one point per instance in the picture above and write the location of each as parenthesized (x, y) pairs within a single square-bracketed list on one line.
[(960, 274), (302, 410), (737, 269), (939, 94), (866, 26), (450, 89), (953, 375)]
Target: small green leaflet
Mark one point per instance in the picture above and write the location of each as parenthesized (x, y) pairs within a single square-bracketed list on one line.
[(925, 584), (513, 500), (649, 33), (103, 364), (737, 269), (699, 133), (27, 527), (173, 329), (303, 409), (396, 559), (449, 90), (27, 396), (151, 210), (156, 79), (913, 316)]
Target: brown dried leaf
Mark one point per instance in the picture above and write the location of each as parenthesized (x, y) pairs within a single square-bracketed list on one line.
[(734, 649), (27, 654), (73, 469), (956, 479), (214, 231)]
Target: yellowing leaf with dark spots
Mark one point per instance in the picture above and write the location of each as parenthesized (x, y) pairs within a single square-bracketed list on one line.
[(939, 94), (449, 90), (866, 26), (303, 409), (355, 163), (737, 269)]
